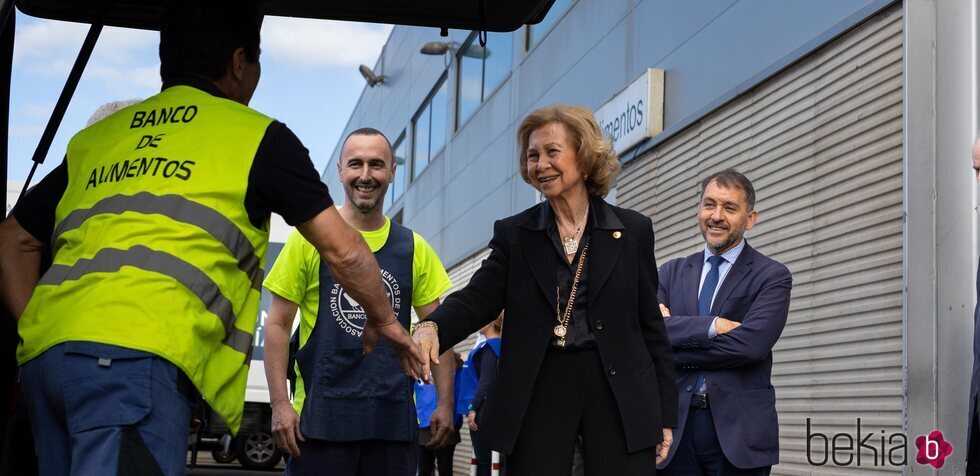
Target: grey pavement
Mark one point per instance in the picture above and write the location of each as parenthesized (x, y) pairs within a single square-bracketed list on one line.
[(207, 467)]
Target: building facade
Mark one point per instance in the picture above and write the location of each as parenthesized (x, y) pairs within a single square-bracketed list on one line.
[(853, 118)]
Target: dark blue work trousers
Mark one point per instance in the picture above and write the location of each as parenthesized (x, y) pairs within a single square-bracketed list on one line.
[(104, 410), (355, 458)]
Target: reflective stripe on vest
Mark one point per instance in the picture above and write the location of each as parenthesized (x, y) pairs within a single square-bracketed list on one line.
[(179, 209), (109, 260), (153, 247)]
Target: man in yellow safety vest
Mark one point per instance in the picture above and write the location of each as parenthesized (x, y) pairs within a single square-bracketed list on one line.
[(158, 222)]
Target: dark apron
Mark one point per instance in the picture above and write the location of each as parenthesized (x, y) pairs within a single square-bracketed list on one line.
[(350, 397)]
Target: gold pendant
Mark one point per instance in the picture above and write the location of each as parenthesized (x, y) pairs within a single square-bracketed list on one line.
[(560, 331), (560, 343), (571, 246)]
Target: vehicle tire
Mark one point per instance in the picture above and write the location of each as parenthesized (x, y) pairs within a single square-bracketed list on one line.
[(257, 451), (223, 457)]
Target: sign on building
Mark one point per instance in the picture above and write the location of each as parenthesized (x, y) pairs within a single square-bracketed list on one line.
[(636, 112)]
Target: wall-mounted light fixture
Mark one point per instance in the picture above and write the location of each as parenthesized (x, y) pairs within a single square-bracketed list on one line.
[(437, 48), (369, 76)]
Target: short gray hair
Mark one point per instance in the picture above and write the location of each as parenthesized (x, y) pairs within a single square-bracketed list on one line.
[(109, 109)]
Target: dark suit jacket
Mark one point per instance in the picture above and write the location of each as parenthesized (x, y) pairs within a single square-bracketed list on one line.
[(975, 380), (519, 276), (736, 365)]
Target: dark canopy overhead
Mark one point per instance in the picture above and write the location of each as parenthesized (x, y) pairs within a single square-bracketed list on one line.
[(498, 15)]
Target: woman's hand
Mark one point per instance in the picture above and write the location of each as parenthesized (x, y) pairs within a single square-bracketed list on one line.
[(471, 421), (664, 447), (427, 338)]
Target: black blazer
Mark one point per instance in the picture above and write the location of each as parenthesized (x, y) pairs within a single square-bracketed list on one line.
[(975, 379), (519, 277)]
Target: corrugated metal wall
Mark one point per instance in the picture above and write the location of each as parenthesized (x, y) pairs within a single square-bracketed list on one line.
[(460, 276), (822, 143)]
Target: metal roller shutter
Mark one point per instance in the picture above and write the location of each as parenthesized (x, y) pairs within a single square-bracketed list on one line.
[(822, 143)]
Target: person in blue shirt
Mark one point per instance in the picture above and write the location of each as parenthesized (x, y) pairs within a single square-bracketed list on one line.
[(426, 401), (483, 363)]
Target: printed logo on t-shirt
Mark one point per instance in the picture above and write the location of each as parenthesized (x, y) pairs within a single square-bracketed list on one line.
[(349, 314)]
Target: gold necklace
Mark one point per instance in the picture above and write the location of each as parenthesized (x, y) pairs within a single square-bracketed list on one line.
[(570, 243), (561, 330)]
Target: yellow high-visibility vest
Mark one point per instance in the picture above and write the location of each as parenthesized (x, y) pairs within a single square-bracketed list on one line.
[(153, 248)]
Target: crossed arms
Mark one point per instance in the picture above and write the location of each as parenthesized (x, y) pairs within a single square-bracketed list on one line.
[(736, 344)]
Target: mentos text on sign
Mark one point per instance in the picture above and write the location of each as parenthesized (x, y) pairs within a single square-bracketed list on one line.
[(636, 112)]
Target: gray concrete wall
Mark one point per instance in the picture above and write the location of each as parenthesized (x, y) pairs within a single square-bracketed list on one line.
[(941, 222), (712, 50)]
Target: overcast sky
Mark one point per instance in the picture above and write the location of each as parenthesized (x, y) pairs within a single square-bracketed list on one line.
[(309, 79)]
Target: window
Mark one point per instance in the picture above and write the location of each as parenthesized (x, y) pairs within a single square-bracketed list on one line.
[(481, 70), (470, 87), (400, 183), (429, 129), (536, 32), (497, 60)]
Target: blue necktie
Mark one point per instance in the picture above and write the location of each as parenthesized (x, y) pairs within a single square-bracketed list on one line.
[(704, 301), (710, 283)]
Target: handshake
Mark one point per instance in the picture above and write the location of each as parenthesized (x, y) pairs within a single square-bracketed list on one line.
[(416, 356)]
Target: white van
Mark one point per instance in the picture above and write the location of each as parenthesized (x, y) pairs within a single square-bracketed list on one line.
[(254, 446)]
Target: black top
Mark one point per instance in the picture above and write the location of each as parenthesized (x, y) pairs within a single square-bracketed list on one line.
[(282, 180), (579, 333)]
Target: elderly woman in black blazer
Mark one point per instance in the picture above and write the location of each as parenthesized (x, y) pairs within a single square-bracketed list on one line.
[(585, 352)]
